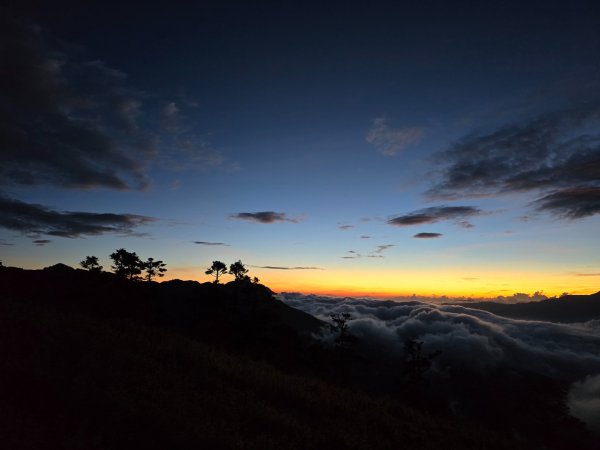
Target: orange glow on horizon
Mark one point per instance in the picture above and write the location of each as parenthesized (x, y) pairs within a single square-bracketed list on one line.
[(390, 283)]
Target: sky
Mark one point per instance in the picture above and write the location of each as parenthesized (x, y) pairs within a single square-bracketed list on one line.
[(345, 148)]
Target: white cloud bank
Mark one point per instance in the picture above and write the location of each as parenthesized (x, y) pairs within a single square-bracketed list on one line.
[(468, 338)]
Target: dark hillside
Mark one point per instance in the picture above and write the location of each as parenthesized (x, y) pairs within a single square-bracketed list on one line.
[(75, 382)]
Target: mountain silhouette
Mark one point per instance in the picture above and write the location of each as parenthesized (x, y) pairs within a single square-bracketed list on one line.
[(566, 309)]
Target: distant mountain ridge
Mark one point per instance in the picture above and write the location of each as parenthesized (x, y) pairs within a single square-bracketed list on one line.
[(566, 309)]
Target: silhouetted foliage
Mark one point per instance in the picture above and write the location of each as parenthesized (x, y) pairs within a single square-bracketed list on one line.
[(154, 269), (417, 364), (126, 264), (91, 263), (255, 280), (340, 326), (239, 271), (218, 268)]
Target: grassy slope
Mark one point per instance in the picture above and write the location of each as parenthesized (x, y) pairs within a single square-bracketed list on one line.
[(73, 381)]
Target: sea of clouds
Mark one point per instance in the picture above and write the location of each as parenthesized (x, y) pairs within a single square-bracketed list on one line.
[(474, 339)]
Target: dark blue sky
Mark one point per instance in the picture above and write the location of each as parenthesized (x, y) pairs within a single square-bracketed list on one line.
[(475, 123)]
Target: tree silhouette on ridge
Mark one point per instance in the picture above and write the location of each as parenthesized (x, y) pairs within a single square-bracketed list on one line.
[(218, 268), (154, 269), (126, 264), (91, 264), (239, 271)]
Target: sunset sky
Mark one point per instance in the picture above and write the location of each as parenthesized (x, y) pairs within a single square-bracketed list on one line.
[(355, 148)]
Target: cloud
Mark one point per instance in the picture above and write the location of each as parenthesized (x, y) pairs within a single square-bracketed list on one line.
[(346, 227), (468, 338), (170, 117), (186, 151), (556, 154), (382, 248), (35, 219), (75, 123), (434, 214), (390, 141), (67, 123), (41, 242), (588, 274), (573, 203), (377, 253), (427, 235), (364, 236), (211, 243), (584, 401), (264, 217), (288, 268)]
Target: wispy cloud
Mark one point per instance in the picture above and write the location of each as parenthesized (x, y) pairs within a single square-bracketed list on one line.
[(364, 236), (171, 117), (41, 242), (377, 253), (382, 248), (346, 227), (35, 219), (264, 217), (211, 243), (390, 141), (427, 235), (457, 214)]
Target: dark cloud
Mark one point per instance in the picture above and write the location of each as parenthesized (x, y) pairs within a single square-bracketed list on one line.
[(382, 248), (346, 227), (364, 236), (467, 338), (41, 242), (427, 235), (210, 243), (434, 214), (557, 154), (288, 268), (263, 217), (64, 122), (35, 219), (573, 203)]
